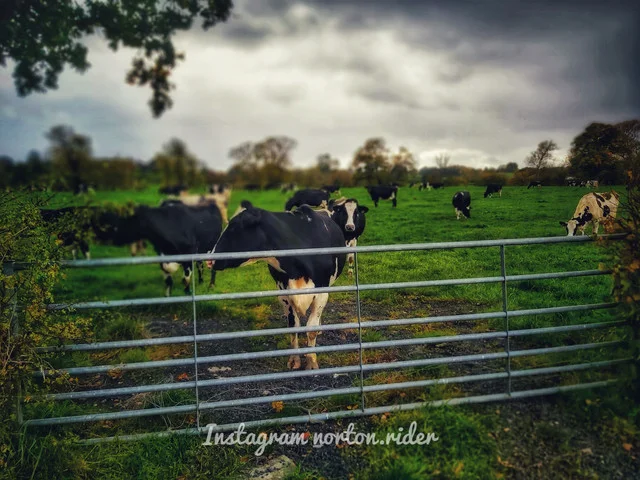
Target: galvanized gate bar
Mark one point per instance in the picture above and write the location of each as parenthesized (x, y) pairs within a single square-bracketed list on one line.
[(318, 393), (105, 262), (307, 291), (332, 348), (209, 337), (267, 377)]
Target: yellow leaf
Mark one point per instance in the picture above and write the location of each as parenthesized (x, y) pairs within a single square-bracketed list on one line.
[(458, 468), (277, 406), (627, 446)]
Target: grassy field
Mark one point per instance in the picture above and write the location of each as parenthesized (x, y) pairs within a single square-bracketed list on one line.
[(426, 216)]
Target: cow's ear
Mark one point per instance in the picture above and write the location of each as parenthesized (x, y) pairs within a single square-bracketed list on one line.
[(564, 224), (331, 205), (246, 204), (250, 217), (363, 209)]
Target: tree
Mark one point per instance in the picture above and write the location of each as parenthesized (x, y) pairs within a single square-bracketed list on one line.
[(177, 164), (509, 167), (542, 157), (327, 164), (442, 160), (598, 152), (265, 162), (403, 165), (371, 160), (70, 154), (43, 37)]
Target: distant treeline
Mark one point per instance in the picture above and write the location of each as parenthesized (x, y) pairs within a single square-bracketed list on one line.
[(601, 152)]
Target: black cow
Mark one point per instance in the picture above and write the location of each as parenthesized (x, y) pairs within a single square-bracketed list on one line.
[(173, 189), (534, 183), (255, 229), (462, 204), (493, 188), (436, 185), (384, 192), (350, 217), (251, 187), (308, 196), (174, 229), (424, 185), (331, 188)]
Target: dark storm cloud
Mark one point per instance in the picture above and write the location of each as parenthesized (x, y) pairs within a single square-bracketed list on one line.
[(599, 41)]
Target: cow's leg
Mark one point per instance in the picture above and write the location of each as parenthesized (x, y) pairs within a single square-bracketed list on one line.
[(457, 213), (596, 225), (351, 257), (394, 201), (199, 266), (168, 280), (317, 306), (186, 279), (293, 321)]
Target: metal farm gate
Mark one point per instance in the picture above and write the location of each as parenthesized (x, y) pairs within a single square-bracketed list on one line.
[(356, 386)]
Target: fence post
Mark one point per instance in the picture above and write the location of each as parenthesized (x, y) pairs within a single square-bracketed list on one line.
[(195, 339), (505, 309), (358, 313), (8, 269)]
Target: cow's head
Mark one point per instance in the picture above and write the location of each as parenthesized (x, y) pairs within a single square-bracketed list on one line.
[(348, 214), (580, 221), (466, 211), (243, 234)]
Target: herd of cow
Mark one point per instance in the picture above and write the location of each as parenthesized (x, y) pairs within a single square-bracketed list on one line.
[(189, 224)]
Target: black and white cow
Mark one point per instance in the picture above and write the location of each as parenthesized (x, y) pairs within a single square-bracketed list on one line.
[(331, 188), (64, 222), (174, 229), (493, 188), (351, 219), (436, 185), (462, 204), (254, 229), (288, 187), (308, 196), (534, 183), (424, 186), (384, 192)]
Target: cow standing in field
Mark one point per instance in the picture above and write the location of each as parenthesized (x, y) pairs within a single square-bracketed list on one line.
[(462, 204), (534, 183), (308, 196), (331, 188), (350, 217), (176, 229), (254, 229), (424, 186), (384, 192), (592, 208), (592, 183), (436, 185), (288, 187), (493, 188)]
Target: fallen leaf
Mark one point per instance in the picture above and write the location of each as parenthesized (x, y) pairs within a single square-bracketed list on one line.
[(627, 446), (506, 429), (182, 377), (458, 468), (277, 406), (588, 451)]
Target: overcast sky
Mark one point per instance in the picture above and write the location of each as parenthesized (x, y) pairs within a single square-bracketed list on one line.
[(484, 83)]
